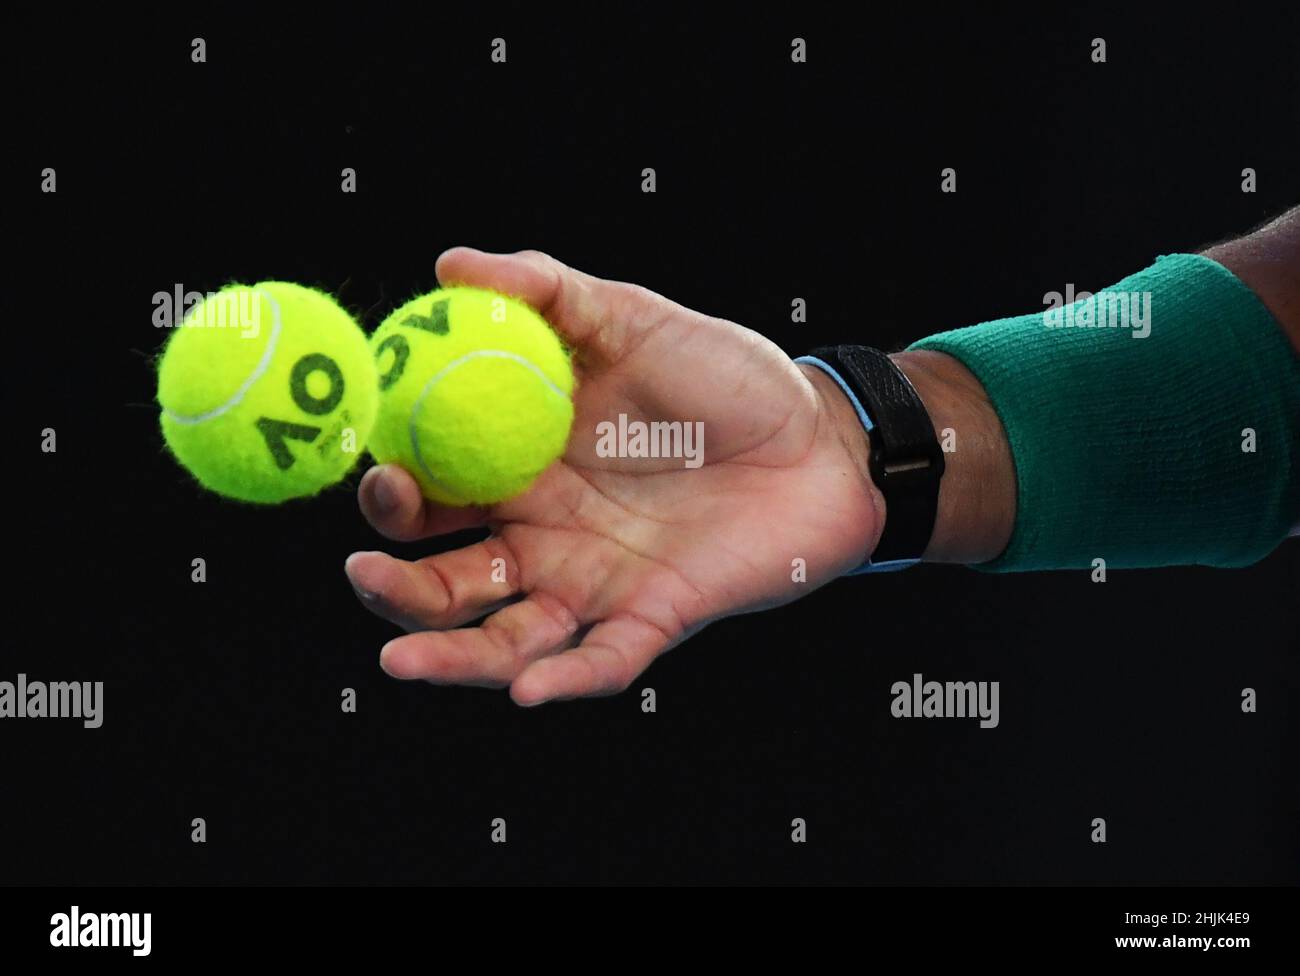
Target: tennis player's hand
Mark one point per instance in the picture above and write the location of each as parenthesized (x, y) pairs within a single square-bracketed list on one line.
[(607, 561)]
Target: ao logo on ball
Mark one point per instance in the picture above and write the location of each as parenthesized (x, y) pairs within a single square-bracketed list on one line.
[(434, 323), (276, 432)]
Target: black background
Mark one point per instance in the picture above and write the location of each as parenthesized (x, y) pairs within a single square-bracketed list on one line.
[(775, 180)]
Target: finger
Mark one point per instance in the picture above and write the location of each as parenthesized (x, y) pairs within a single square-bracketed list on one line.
[(601, 317), (609, 658), (437, 592), (490, 655), (391, 501)]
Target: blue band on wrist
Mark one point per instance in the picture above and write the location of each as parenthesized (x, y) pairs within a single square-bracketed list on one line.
[(825, 367)]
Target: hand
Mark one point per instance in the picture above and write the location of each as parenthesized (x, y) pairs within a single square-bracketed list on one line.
[(609, 562)]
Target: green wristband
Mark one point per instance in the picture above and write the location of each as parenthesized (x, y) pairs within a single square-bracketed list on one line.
[(1156, 423)]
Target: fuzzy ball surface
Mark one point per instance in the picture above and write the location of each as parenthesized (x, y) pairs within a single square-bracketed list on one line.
[(268, 392), (476, 395)]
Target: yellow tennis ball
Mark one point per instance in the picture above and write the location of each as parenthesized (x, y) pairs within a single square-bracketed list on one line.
[(475, 395), (268, 392)]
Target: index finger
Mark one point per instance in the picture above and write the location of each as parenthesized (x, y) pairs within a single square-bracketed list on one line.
[(598, 316)]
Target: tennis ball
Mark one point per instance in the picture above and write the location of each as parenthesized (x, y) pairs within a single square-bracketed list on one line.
[(475, 395), (268, 392)]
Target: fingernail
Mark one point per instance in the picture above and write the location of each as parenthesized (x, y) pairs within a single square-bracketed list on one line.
[(385, 494), (368, 595)]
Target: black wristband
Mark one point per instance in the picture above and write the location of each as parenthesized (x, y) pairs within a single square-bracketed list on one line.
[(906, 461)]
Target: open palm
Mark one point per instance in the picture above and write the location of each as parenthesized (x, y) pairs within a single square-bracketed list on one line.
[(607, 562)]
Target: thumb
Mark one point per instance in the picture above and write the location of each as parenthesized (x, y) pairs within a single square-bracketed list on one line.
[(601, 318)]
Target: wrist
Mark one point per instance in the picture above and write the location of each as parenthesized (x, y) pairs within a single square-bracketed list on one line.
[(843, 425), (977, 494)]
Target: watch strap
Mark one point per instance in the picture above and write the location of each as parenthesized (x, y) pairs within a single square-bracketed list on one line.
[(905, 459)]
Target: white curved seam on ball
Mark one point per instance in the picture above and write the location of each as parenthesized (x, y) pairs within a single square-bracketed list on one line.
[(258, 372), (454, 364)]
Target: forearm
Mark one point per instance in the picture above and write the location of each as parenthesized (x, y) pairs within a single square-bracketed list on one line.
[(1269, 262), (1219, 396), (977, 494)]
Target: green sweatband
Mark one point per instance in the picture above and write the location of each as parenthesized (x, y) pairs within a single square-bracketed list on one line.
[(1130, 417)]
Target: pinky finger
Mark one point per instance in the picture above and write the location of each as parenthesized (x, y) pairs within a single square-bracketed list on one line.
[(609, 659)]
